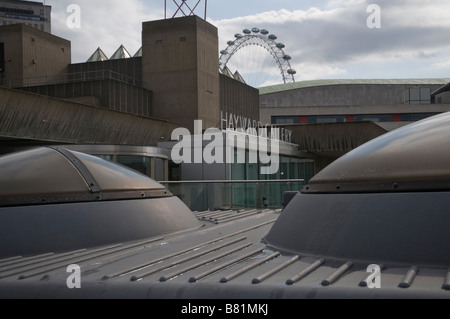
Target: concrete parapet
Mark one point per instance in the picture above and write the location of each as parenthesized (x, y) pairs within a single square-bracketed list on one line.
[(36, 117)]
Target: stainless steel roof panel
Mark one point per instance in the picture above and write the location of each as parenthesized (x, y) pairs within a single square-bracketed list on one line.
[(191, 265), (39, 171), (114, 177), (414, 157), (56, 175)]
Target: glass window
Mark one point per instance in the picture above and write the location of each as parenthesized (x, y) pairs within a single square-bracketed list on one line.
[(416, 116), (284, 168), (174, 171), (251, 172), (326, 119), (105, 157), (307, 170), (238, 189), (285, 119), (374, 118), (159, 169), (138, 163)]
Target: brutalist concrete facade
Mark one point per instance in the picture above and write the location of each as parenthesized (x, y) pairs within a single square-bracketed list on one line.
[(32, 55), (177, 79), (238, 98), (180, 65), (349, 97)]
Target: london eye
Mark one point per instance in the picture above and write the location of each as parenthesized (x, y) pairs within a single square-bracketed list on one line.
[(256, 57)]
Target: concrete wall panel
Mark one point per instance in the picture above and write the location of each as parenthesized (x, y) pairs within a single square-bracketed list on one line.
[(34, 117)]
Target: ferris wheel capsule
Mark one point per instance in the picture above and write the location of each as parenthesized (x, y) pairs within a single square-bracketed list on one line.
[(264, 31), (287, 57), (291, 71), (246, 31), (280, 45), (272, 37), (238, 35), (230, 42), (224, 52), (255, 30)]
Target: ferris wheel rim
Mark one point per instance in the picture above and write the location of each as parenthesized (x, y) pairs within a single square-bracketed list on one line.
[(268, 42)]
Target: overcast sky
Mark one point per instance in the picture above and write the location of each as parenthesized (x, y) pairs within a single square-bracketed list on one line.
[(326, 39)]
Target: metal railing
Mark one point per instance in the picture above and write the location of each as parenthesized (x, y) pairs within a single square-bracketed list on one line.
[(233, 194)]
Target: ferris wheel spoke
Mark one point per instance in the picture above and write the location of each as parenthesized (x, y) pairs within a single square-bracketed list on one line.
[(248, 69)]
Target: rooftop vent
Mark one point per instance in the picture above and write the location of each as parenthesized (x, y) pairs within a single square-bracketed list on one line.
[(386, 202), (55, 199)]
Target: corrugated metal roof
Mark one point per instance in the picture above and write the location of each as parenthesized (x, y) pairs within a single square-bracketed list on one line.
[(312, 83), (224, 260)]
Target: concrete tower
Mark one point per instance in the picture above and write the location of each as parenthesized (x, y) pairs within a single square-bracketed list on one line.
[(180, 65)]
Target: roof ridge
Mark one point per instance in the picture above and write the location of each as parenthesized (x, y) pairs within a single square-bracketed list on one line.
[(324, 82)]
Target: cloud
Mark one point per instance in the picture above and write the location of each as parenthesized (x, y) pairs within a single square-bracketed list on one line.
[(442, 64), (317, 71), (415, 13), (105, 24), (344, 3), (325, 42)]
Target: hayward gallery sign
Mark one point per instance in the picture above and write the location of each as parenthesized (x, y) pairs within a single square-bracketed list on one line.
[(236, 132)]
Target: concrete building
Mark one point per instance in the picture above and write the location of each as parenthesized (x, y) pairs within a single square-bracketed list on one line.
[(30, 120), (331, 117), (32, 57), (384, 101), (114, 84), (173, 80), (180, 65), (33, 14)]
